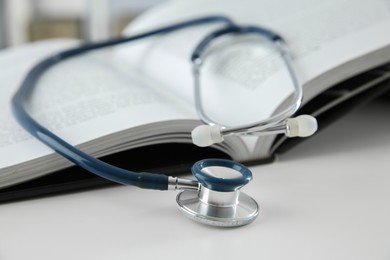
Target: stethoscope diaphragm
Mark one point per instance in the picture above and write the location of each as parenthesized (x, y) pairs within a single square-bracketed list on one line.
[(219, 201)]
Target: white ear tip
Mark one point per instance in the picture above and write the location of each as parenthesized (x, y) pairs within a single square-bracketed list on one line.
[(303, 126), (308, 125), (205, 135)]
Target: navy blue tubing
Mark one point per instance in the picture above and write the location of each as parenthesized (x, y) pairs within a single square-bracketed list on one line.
[(143, 180), (232, 28)]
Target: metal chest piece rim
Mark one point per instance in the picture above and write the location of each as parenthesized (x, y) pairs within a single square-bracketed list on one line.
[(219, 201)]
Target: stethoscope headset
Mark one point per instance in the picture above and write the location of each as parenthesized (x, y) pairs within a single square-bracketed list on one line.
[(214, 198)]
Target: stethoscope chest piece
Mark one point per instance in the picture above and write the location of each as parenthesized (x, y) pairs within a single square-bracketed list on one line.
[(219, 201)]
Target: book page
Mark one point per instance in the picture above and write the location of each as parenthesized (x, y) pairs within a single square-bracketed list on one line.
[(322, 36), (80, 99)]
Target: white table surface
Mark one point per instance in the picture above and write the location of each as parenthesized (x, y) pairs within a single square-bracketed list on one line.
[(328, 198)]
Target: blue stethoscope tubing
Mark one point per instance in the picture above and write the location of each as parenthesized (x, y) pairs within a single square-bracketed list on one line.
[(144, 180)]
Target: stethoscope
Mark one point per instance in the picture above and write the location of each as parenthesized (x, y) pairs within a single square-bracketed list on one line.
[(214, 198)]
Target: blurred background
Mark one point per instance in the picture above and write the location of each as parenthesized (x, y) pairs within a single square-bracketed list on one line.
[(24, 21)]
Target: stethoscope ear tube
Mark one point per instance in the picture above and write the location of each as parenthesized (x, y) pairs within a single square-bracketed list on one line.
[(198, 57), (202, 46)]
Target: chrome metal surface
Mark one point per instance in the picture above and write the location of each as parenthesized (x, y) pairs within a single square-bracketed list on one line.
[(264, 125), (243, 213), (218, 198), (175, 183)]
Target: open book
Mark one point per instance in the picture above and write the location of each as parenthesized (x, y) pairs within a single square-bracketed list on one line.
[(132, 105)]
